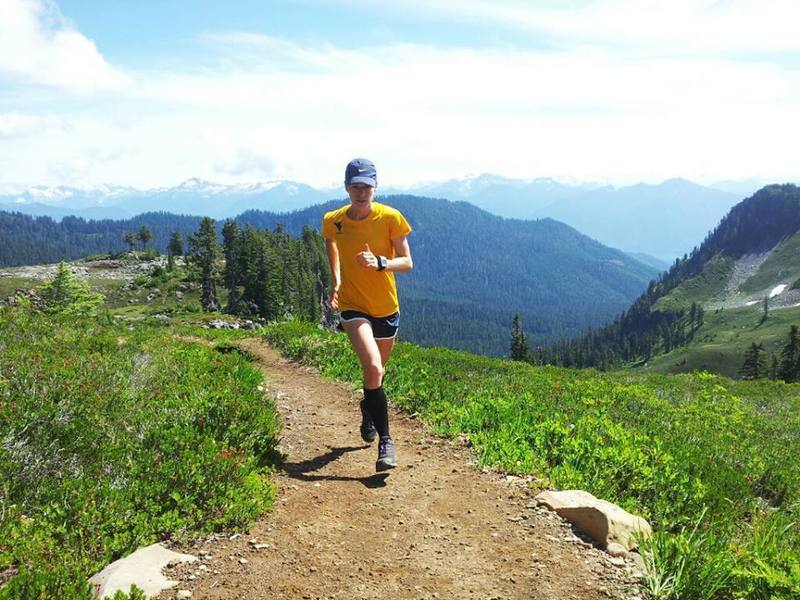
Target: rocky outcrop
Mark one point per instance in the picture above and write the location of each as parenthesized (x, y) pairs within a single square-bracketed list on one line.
[(21, 296), (142, 568), (235, 324), (604, 522)]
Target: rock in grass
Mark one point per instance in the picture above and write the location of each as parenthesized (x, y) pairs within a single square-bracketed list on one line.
[(604, 522), (617, 550), (142, 568), (639, 567)]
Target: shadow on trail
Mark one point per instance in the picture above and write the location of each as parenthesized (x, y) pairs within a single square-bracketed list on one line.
[(301, 470)]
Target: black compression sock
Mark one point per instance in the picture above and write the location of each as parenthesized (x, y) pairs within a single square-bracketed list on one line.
[(378, 409)]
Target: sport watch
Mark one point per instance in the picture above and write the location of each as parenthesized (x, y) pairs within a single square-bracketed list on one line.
[(383, 262)]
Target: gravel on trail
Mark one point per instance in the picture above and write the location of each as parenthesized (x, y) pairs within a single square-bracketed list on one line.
[(435, 527)]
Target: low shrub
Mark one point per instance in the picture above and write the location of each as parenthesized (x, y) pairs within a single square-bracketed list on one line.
[(115, 436)]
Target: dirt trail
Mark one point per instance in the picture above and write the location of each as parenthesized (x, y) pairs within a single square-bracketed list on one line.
[(436, 527)]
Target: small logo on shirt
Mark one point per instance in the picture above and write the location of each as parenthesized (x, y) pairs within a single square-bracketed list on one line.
[(338, 226)]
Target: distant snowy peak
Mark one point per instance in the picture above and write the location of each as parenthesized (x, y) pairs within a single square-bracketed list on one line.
[(101, 194), (195, 187), (57, 195), (463, 188), (470, 186), (51, 194), (201, 187), (484, 180)]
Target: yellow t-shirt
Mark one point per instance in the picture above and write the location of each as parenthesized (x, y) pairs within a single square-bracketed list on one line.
[(363, 289)]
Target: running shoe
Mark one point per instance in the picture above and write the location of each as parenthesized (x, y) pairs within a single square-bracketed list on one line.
[(368, 431), (387, 458)]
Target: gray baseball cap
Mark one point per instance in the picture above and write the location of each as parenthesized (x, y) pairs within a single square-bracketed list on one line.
[(361, 170)]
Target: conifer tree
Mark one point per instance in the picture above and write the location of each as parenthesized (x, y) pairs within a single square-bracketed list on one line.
[(233, 272), (175, 244), (753, 366), (130, 239), (203, 253), (67, 294), (519, 345), (266, 288), (251, 247), (144, 235), (773, 366), (790, 354), (540, 356)]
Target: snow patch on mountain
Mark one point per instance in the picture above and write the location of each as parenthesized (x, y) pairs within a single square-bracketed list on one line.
[(778, 289), (52, 194)]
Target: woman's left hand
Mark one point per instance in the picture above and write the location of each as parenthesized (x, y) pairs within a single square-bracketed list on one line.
[(366, 258)]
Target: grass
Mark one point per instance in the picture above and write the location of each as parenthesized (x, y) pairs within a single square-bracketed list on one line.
[(719, 345), (675, 449), (9, 285), (131, 300), (781, 266), (708, 284), (115, 435)]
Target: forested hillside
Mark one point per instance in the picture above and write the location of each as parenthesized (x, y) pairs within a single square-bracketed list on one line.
[(41, 240), (743, 258), (472, 272)]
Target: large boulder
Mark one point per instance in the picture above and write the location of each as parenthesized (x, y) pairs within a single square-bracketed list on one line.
[(604, 522), (142, 568)]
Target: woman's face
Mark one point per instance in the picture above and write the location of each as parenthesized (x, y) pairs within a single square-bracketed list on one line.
[(361, 194)]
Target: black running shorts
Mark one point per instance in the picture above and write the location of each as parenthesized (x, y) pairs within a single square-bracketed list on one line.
[(383, 328)]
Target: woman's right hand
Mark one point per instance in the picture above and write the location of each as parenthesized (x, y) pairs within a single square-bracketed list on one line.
[(333, 299)]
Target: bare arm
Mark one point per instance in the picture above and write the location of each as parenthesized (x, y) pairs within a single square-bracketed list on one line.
[(401, 262), (336, 276)]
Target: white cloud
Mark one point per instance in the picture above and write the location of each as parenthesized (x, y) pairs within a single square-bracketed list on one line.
[(675, 27), (433, 111), (248, 163), (272, 108), (21, 125), (38, 45)]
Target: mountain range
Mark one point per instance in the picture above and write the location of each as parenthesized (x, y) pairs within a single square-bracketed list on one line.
[(473, 270), (663, 221), (192, 197)]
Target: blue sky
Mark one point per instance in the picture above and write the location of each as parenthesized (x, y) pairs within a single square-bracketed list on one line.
[(152, 93), (135, 31)]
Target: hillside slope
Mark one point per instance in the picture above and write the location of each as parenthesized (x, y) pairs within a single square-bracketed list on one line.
[(712, 302)]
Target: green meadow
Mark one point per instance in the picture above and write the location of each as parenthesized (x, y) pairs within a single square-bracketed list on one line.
[(719, 345), (711, 462)]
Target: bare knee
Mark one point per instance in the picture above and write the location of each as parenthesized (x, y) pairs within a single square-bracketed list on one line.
[(373, 375)]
